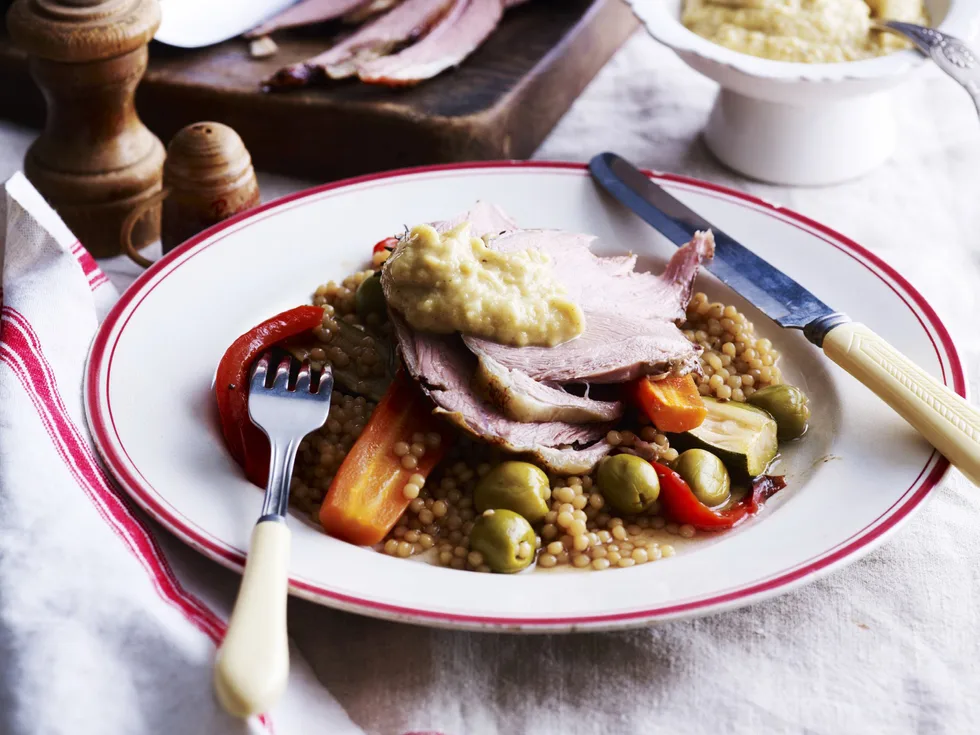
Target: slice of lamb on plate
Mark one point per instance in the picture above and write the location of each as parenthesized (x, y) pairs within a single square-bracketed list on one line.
[(486, 220), (630, 316), (513, 393), (521, 398), (509, 395), (445, 369)]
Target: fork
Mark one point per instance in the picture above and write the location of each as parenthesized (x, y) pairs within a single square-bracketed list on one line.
[(252, 664), (951, 54)]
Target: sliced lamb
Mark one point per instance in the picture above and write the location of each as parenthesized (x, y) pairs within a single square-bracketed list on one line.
[(630, 316), (613, 349), (512, 392), (456, 36), (368, 10), (304, 13), (409, 21), (508, 395), (520, 398), (484, 218), (445, 368), (572, 461), (611, 284)]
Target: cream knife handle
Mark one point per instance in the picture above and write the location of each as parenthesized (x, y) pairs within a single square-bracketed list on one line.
[(945, 419), (253, 662)]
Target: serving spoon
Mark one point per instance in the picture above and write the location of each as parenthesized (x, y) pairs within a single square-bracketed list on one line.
[(951, 54)]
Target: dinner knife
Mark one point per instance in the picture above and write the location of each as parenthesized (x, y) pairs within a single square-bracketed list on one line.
[(944, 418)]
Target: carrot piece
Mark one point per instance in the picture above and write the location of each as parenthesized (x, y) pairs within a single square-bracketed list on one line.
[(672, 404), (367, 497)]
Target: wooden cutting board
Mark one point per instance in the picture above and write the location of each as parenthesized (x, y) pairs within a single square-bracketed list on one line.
[(500, 103)]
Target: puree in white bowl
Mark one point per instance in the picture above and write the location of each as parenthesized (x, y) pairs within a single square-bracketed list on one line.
[(811, 31)]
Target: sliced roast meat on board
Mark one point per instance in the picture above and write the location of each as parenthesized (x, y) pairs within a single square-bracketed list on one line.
[(452, 39), (415, 41), (409, 21), (630, 316), (368, 10), (445, 370), (304, 13)]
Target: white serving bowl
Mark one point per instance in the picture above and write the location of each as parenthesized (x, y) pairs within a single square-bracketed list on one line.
[(793, 123)]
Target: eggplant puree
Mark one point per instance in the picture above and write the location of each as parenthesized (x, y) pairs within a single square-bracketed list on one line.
[(453, 282), (810, 31)]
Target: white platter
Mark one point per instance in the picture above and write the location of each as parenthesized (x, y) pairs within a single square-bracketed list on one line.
[(853, 479)]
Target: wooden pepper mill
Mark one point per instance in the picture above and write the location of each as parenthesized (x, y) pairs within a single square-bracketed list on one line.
[(95, 161), (207, 178)]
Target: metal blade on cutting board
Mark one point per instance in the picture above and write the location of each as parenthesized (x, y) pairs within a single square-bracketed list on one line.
[(769, 289), (194, 24)]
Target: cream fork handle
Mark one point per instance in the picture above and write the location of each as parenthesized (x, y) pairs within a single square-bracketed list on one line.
[(945, 419), (252, 666)]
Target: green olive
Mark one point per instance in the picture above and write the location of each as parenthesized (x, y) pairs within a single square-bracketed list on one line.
[(705, 474), (369, 298), (517, 486), (505, 539), (786, 404), (628, 483)]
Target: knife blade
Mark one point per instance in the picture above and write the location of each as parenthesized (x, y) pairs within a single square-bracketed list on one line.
[(943, 417), (773, 292), (193, 24)]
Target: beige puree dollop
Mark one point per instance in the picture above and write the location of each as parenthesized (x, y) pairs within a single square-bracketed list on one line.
[(813, 31), (455, 283)]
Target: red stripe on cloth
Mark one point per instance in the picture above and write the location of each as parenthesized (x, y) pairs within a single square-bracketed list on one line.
[(84, 259), (20, 348), (89, 267), (22, 353)]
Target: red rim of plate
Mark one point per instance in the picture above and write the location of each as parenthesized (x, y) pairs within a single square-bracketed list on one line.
[(114, 454)]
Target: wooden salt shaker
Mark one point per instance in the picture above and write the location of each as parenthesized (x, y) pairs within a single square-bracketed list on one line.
[(208, 177), (95, 160)]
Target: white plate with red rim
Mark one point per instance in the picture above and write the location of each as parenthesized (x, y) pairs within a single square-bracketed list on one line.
[(854, 478)]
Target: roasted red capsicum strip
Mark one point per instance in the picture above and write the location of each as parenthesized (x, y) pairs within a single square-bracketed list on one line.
[(388, 243), (366, 497), (247, 444), (681, 505)]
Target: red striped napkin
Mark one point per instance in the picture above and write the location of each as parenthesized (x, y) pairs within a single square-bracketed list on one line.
[(107, 624)]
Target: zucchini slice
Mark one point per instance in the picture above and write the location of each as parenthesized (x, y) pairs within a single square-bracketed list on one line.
[(741, 435)]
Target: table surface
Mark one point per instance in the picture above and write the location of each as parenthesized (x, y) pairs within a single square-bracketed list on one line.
[(887, 645)]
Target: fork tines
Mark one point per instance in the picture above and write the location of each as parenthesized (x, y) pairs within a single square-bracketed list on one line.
[(291, 375)]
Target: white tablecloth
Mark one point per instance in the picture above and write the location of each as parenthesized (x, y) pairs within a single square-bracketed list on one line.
[(889, 645)]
